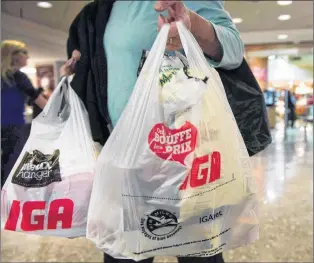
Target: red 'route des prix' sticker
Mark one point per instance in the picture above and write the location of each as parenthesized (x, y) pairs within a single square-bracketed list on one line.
[(173, 144)]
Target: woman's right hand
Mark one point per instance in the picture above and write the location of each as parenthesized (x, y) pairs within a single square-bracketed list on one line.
[(68, 68)]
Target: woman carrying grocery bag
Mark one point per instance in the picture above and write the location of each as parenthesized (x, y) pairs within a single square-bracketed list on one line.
[(15, 88), (219, 40)]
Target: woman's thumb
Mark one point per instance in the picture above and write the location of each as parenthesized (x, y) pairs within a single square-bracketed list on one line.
[(76, 55), (161, 21)]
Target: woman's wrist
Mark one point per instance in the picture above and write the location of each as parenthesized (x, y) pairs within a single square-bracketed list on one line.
[(205, 34), (199, 26)]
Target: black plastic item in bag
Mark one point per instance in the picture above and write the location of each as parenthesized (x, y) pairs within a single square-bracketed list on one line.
[(248, 106), (247, 103)]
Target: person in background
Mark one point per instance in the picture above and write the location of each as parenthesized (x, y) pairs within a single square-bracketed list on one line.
[(15, 89), (310, 100), (292, 116), (131, 28)]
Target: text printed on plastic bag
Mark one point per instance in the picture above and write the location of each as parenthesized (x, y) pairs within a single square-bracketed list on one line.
[(199, 176), (32, 221), (175, 144)]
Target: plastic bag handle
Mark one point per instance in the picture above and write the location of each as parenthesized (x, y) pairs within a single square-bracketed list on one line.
[(83, 131), (53, 105), (152, 65), (198, 64), (192, 50), (195, 56)]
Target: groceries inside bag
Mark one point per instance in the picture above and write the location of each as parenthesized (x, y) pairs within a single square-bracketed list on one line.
[(49, 187), (174, 178)]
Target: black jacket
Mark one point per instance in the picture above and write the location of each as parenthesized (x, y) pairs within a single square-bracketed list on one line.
[(90, 81)]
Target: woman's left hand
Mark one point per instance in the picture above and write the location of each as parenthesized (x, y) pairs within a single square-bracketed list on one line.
[(177, 11), (68, 68)]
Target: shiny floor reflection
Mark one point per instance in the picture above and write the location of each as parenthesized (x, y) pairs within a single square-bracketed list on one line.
[(285, 178)]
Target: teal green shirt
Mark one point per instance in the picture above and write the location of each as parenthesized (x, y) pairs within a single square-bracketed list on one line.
[(132, 27)]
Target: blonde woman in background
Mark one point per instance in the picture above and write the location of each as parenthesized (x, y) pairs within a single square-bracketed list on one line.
[(15, 89)]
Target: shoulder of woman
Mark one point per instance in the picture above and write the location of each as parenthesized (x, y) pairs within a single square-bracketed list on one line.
[(9, 81), (20, 76)]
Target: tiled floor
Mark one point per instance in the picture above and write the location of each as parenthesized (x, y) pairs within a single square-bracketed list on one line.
[(285, 175)]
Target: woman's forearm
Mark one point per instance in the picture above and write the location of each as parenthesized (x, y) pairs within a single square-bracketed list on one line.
[(206, 37)]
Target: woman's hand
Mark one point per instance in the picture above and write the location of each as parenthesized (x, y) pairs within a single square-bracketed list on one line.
[(202, 30), (41, 101), (177, 11), (68, 68)]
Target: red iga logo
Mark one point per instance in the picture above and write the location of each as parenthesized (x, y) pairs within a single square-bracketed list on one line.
[(173, 144), (32, 221), (201, 174)]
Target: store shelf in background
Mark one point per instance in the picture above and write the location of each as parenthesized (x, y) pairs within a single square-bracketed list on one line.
[(46, 76), (259, 67), (284, 69)]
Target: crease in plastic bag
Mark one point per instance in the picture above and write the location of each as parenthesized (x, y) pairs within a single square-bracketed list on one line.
[(49, 187), (174, 178)]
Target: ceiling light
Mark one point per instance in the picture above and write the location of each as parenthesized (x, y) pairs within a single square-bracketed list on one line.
[(44, 4), (284, 2), (282, 36), (284, 17), (237, 20)]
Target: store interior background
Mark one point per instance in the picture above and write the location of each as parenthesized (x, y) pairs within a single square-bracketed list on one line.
[(278, 40)]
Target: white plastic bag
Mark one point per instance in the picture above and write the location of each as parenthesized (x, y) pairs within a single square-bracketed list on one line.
[(174, 178), (49, 187)]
